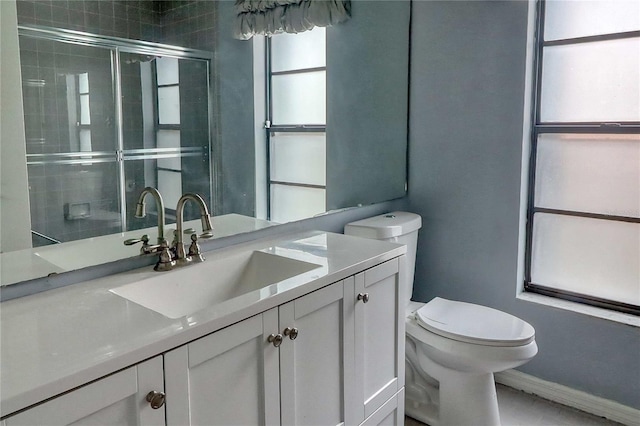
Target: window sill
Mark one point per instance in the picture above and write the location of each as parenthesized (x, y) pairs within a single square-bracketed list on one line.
[(593, 311)]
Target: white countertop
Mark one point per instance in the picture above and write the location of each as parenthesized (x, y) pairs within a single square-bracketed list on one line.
[(60, 339), (28, 264)]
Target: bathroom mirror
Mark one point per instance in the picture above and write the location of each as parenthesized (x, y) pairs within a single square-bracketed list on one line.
[(219, 139)]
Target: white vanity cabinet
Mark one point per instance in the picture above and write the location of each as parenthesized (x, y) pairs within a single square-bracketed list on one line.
[(118, 399), (343, 366), (226, 378), (312, 367), (284, 366), (333, 355), (379, 340)]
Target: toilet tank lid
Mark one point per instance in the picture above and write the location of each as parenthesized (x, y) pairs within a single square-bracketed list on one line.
[(385, 226)]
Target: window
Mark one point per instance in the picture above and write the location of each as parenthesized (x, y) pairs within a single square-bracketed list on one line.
[(583, 223), (168, 128), (296, 125), (84, 125)]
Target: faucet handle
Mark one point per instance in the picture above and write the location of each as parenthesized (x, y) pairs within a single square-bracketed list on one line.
[(191, 231), (207, 234), (144, 240), (132, 241)]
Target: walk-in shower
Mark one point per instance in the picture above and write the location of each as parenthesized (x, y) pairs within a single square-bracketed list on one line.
[(106, 117)]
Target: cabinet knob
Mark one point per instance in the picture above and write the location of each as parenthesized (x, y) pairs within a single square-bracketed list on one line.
[(276, 339), (364, 297), (292, 332), (156, 399)]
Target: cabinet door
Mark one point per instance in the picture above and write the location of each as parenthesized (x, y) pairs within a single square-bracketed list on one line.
[(229, 377), (313, 389), (379, 335), (118, 399)]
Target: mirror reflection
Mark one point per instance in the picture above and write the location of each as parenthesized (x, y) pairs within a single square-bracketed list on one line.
[(88, 156), (297, 116), (279, 128)]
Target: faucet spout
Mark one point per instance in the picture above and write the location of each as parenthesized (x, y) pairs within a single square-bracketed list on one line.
[(205, 218), (140, 209)]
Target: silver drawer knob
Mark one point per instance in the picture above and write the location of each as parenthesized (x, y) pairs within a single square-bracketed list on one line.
[(276, 339), (156, 399), (364, 297), (292, 332)]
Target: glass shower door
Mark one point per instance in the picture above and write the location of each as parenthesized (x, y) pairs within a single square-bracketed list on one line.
[(71, 140), (105, 118), (165, 106)]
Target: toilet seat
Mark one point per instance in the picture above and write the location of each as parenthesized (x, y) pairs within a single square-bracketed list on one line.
[(466, 322)]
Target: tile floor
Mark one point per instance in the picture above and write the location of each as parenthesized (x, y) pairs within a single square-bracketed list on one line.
[(521, 409)]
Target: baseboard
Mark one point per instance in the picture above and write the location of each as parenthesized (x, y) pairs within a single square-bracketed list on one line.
[(570, 397)]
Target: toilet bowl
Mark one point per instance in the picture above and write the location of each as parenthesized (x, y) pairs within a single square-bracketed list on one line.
[(461, 346), (452, 348)]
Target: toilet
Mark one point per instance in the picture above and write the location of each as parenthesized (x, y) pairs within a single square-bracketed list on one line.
[(453, 348)]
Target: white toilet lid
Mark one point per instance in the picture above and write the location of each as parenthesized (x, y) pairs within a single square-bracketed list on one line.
[(466, 322)]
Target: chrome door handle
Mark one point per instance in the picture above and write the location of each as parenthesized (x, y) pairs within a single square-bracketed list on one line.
[(156, 399), (364, 297), (276, 339), (292, 332)]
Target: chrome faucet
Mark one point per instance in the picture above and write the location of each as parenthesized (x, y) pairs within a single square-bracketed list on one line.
[(140, 209), (194, 250), (165, 258)]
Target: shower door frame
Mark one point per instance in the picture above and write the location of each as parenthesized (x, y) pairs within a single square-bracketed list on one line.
[(116, 46)]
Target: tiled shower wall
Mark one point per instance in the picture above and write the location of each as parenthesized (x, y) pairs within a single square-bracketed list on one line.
[(133, 19), (189, 23), (184, 23)]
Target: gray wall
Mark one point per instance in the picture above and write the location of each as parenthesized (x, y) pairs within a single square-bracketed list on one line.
[(235, 116), (466, 114), (367, 80)]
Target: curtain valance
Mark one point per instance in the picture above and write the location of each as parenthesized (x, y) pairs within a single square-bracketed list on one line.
[(268, 17)]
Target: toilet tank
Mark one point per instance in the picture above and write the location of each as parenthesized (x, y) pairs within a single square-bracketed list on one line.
[(395, 227)]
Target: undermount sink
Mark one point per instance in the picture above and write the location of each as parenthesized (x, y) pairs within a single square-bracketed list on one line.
[(186, 290)]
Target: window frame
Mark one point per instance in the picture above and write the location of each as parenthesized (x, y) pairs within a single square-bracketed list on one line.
[(538, 128), (81, 126), (272, 128), (160, 127)]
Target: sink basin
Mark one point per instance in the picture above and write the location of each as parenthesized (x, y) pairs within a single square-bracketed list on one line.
[(186, 290)]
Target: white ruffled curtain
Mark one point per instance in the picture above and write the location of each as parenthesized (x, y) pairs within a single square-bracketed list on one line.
[(268, 17)]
